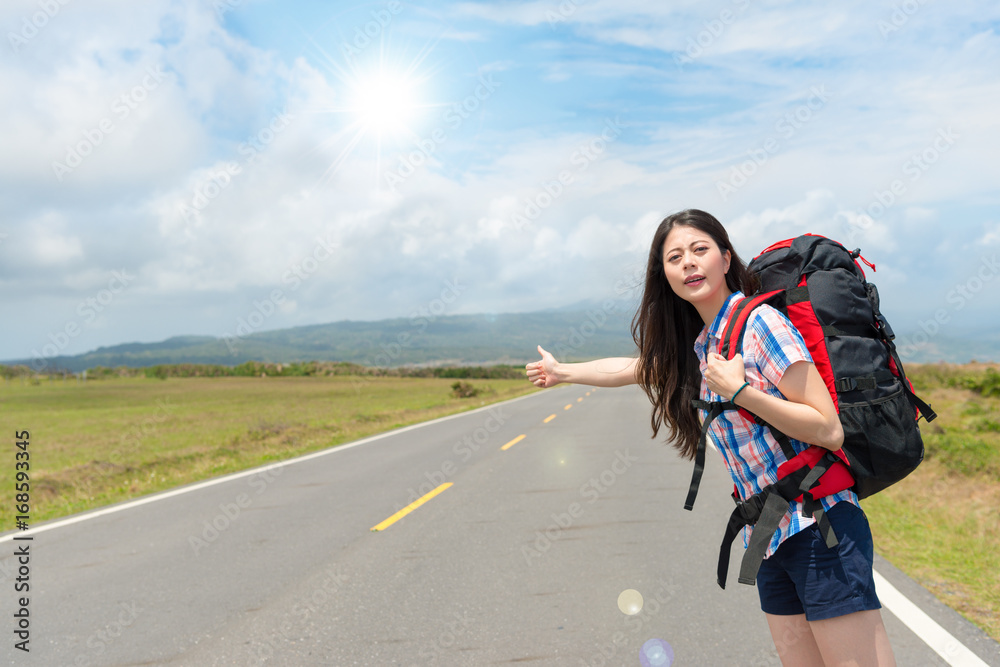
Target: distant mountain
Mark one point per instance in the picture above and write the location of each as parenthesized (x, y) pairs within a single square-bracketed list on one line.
[(587, 333), (919, 348)]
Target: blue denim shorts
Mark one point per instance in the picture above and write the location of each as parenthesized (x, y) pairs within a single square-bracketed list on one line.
[(805, 576)]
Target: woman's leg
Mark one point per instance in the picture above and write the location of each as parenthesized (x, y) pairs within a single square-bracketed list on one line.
[(794, 640), (853, 640)]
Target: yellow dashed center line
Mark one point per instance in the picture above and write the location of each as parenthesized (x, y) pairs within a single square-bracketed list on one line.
[(409, 508), (513, 442), (423, 499)]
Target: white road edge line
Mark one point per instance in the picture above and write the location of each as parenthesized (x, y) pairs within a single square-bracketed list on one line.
[(954, 652), (9, 537)]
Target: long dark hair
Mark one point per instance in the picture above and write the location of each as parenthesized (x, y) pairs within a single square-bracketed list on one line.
[(665, 328)]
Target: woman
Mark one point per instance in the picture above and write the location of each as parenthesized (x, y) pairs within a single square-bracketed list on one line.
[(820, 603)]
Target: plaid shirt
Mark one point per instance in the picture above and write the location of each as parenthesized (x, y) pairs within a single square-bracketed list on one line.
[(770, 345)]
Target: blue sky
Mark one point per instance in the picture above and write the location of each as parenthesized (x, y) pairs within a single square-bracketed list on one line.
[(175, 166)]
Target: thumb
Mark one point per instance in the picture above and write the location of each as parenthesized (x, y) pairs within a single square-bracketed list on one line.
[(547, 357)]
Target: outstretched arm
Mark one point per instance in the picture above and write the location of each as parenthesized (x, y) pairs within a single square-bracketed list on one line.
[(608, 372)]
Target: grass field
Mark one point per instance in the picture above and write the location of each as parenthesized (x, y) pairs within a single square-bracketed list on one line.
[(105, 441), (941, 525), (100, 442)]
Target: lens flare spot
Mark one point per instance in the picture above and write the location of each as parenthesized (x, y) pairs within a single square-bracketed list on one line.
[(656, 653), (630, 602)]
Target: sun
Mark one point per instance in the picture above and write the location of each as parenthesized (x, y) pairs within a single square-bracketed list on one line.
[(382, 107), (378, 102), (386, 103)]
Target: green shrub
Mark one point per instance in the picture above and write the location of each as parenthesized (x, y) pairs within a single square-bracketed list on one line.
[(463, 390), (987, 384), (986, 425), (963, 453)]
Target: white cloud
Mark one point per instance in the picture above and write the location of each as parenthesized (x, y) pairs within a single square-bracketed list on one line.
[(47, 244), (529, 14), (340, 244), (992, 235), (594, 238), (41, 247)]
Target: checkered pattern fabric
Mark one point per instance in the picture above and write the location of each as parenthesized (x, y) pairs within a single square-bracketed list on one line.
[(752, 456)]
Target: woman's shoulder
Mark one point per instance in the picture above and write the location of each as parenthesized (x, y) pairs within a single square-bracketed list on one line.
[(767, 319), (769, 329)]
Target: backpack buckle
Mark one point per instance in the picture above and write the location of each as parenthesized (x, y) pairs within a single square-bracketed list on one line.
[(750, 508), (846, 384)]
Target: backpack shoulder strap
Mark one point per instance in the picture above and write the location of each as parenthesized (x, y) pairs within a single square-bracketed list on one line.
[(715, 408), (732, 336), (731, 344)]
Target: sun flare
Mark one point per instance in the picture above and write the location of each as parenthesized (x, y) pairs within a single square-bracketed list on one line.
[(386, 103)]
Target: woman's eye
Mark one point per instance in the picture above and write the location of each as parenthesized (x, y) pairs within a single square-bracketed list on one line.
[(701, 248)]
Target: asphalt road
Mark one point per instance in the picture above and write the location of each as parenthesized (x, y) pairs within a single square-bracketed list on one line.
[(521, 560)]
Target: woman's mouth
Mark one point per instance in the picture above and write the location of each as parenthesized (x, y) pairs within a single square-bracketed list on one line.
[(695, 280)]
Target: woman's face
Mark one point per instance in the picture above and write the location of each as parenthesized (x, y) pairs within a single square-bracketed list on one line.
[(695, 267)]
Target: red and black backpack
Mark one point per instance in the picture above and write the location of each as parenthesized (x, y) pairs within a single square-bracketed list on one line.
[(820, 286)]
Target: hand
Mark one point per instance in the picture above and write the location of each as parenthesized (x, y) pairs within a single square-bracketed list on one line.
[(543, 373), (725, 377)]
